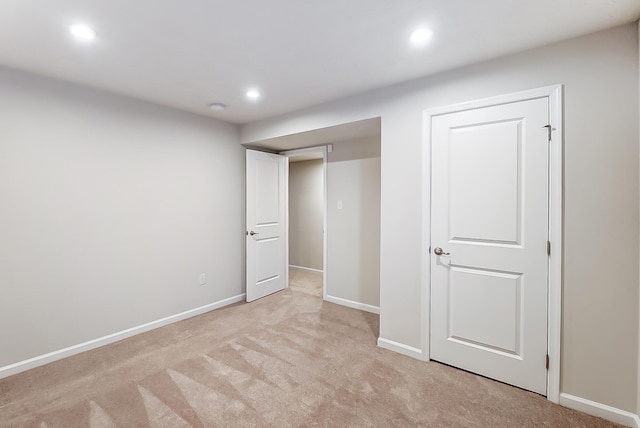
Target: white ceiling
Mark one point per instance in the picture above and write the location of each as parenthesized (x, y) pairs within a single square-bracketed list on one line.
[(188, 54)]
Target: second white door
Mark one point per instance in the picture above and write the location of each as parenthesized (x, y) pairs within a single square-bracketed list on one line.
[(489, 237), (266, 220)]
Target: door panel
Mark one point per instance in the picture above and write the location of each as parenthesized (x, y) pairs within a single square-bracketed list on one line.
[(489, 212), (494, 325), (265, 217), (492, 194), (267, 190)]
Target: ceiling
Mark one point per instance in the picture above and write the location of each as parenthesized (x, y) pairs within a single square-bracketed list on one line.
[(189, 54)]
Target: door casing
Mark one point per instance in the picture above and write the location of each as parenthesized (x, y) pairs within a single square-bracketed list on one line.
[(555, 195)]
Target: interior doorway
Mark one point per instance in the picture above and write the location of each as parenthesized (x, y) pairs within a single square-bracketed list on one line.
[(351, 153), (306, 208)]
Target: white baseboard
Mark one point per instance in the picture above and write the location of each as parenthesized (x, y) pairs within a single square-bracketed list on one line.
[(401, 348), (352, 304), (305, 268), (105, 340), (603, 411)]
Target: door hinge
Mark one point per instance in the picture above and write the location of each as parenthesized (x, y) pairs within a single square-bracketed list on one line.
[(549, 129), (547, 362), (548, 248)]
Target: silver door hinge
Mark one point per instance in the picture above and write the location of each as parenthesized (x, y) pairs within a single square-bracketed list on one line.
[(549, 129), (547, 362), (548, 248)]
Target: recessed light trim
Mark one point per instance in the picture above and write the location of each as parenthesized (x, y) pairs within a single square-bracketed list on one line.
[(217, 106), (420, 36), (253, 94), (82, 32)]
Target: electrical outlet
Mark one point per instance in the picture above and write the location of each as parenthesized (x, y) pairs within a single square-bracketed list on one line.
[(203, 279)]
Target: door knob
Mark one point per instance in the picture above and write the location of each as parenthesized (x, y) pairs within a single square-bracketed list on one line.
[(253, 233), (439, 252)]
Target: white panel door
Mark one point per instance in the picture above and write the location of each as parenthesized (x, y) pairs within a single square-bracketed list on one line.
[(265, 217), (489, 235)]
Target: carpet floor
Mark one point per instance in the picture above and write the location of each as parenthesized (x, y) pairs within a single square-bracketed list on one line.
[(287, 360)]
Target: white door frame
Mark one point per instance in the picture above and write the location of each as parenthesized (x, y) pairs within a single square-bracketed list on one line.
[(554, 308), (296, 152)]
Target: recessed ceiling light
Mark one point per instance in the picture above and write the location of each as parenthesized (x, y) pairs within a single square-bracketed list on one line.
[(82, 32), (420, 36), (217, 106), (253, 94)]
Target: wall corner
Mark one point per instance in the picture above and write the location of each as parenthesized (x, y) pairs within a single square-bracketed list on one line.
[(638, 362)]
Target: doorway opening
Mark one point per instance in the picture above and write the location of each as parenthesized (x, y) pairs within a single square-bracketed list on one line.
[(307, 209)]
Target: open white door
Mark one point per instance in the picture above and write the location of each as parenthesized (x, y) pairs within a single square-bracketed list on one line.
[(265, 220), (489, 233)]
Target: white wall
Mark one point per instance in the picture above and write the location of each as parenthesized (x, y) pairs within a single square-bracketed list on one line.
[(601, 228), (306, 213), (110, 208), (353, 232)]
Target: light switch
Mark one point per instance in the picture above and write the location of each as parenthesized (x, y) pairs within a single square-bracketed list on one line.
[(339, 204)]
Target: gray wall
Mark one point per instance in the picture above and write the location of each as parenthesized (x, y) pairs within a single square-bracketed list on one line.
[(353, 265), (600, 288), (306, 214), (110, 208)]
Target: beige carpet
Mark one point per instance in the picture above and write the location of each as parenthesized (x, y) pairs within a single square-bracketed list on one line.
[(305, 281), (289, 359)]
